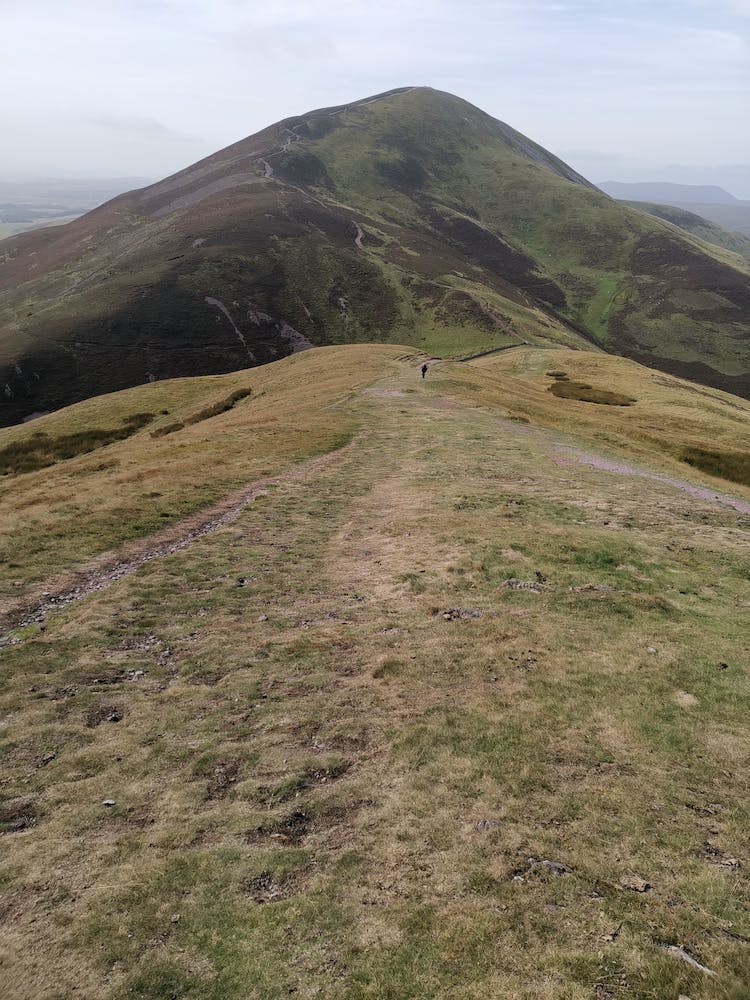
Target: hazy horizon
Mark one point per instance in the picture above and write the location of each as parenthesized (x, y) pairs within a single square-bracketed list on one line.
[(705, 176), (619, 90)]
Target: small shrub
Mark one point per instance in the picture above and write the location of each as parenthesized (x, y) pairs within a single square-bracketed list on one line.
[(221, 407), (167, 429), (17, 814)]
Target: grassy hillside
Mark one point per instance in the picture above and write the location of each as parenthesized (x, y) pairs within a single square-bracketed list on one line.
[(455, 705), (73, 509), (408, 218), (696, 225)]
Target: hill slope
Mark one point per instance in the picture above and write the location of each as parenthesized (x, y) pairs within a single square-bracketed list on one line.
[(411, 217), (696, 225), (669, 193), (452, 702), (712, 203)]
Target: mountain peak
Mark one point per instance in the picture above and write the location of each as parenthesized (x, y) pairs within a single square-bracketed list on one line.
[(409, 216), (412, 125)]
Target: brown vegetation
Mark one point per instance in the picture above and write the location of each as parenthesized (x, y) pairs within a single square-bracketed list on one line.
[(42, 450), (564, 388), (732, 465), (223, 406)]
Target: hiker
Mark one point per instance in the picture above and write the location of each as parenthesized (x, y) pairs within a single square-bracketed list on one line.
[(424, 369)]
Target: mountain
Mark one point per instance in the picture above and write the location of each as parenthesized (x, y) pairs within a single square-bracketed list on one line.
[(672, 194), (323, 680), (733, 217), (711, 203), (698, 226), (410, 217)]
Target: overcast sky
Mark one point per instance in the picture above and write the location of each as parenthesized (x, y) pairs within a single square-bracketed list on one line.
[(621, 89)]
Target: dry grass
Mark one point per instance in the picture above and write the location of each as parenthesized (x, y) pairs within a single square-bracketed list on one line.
[(56, 518), (323, 787), (670, 415), (222, 406)]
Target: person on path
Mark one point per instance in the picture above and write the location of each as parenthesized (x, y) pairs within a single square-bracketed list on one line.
[(424, 369)]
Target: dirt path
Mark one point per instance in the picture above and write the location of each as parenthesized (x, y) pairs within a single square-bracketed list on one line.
[(112, 566), (108, 568), (573, 455)]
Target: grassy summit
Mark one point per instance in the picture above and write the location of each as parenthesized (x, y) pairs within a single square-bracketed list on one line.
[(412, 217), (452, 704)]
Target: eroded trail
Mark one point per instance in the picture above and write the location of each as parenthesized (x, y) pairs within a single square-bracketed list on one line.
[(110, 567), (569, 455)]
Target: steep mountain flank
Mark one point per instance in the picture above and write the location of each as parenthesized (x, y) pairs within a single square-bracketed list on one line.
[(411, 217)]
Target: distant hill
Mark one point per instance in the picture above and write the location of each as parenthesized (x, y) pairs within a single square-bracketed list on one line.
[(735, 217), (709, 202), (662, 191), (30, 204), (409, 217), (80, 194), (698, 226)]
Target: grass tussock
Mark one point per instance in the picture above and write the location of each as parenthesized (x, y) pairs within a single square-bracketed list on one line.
[(564, 388), (731, 465), (43, 450), (223, 406)]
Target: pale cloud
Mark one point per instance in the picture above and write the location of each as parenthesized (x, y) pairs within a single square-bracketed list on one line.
[(133, 125), (146, 86), (740, 7)]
